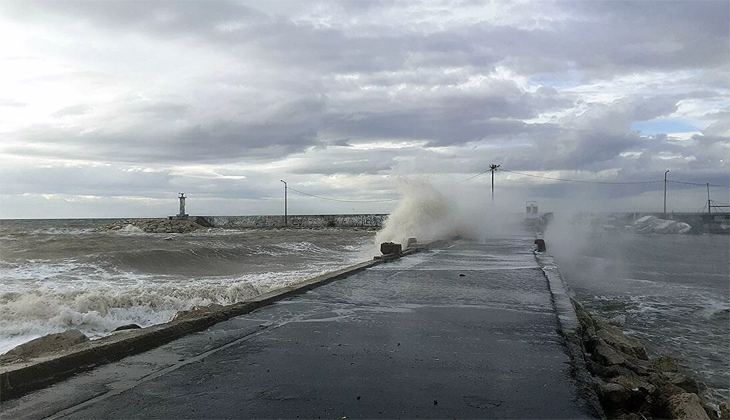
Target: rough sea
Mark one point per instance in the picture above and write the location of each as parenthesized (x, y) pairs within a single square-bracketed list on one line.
[(671, 291), (61, 274)]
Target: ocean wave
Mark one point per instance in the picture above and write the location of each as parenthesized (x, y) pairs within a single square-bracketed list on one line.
[(299, 247), (97, 311), (68, 275)]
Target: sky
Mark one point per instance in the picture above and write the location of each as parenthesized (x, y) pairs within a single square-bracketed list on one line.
[(111, 108)]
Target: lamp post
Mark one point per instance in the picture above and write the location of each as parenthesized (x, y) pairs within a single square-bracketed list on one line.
[(665, 193), (286, 215)]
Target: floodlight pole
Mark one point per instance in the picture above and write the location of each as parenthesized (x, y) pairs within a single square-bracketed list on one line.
[(665, 193), (286, 211), (493, 168)]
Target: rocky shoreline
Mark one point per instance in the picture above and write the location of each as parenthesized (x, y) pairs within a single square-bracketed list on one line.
[(630, 385), (153, 226)]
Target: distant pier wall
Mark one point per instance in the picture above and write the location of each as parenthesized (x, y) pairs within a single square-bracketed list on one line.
[(306, 221)]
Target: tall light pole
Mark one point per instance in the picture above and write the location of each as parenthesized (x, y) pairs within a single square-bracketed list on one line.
[(665, 192), (286, 215), (493, 168)]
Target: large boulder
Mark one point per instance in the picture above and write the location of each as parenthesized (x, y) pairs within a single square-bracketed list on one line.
[(629, 382), (45, 345), (617, 339), (607, 355), (614, 396), (197, 311), (686, 406), (691, 385)]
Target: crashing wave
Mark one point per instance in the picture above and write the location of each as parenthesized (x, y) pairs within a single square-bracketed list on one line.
[(652, 224)]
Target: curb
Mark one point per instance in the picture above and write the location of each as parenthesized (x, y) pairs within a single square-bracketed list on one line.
[(561, 293), (22, 377), (570, 330)]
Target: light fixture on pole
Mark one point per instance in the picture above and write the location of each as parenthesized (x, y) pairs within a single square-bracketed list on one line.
[(286, 211), (665, 193)]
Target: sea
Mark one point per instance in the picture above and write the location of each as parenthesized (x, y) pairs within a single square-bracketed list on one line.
[(62, 274), (671, 291)]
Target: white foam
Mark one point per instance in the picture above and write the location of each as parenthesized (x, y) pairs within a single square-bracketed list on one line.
[(301, 247), (99, 308)]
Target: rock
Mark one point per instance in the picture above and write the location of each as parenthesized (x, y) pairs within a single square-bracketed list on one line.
[(607, 355), (665, 388), (725, 410), (46, 344), (685, 406), (586, 322), (665, 364), (629, 382), (688, 384), (389, 248), (617, 370), (637, 391), (614, 397), (196, 311), (127, 327), (618, 340)]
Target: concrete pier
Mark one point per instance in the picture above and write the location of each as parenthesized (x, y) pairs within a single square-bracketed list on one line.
[(464, 331)]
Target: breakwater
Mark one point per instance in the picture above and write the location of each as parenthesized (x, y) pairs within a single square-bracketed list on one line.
[(294, 221)]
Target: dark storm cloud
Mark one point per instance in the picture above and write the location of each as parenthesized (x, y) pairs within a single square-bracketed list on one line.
[(607, 36), (448, 116), (215, 141), (660, 35), (288, 127)]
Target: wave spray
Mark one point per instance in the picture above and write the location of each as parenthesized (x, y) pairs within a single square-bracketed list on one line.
[(428, 213)]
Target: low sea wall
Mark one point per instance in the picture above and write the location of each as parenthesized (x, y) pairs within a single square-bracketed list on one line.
[(295, 221)]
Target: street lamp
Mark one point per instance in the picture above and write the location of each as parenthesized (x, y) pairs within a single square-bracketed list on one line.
[(286, 215), (665, 193)]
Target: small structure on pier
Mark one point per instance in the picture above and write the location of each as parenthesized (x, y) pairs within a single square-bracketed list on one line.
[(182, 215), (531, 210)]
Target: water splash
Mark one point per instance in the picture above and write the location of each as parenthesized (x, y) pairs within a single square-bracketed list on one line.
[(428, 212)]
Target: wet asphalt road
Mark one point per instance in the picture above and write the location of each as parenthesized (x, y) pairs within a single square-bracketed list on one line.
[(468, 331)]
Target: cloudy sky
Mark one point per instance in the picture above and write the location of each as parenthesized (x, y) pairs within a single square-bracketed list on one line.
[(110, 108)]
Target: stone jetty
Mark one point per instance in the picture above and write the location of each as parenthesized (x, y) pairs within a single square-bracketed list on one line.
[(630, 385), (154, 226)]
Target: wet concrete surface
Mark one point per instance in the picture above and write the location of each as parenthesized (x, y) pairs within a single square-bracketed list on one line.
[(468, 331)]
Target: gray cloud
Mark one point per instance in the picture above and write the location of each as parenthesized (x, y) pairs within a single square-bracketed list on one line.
[(347, 88)]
